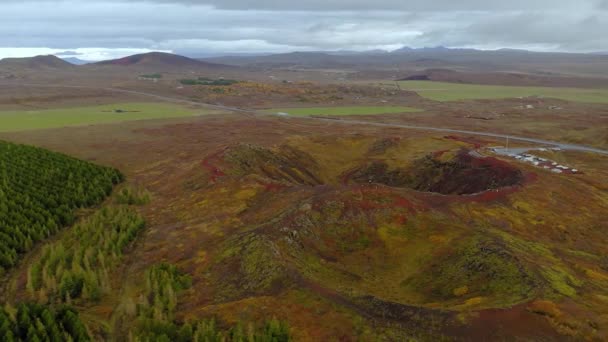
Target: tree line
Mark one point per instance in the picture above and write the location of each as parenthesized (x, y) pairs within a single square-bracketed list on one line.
[(39, 192), (80, 264), (208, 82), (155, 316), (34, 322)]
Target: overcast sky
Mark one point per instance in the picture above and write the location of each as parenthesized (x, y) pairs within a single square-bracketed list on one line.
[(96, 29)]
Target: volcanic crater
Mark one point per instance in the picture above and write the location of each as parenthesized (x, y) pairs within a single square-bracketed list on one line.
[(463, 172), (466, 173)]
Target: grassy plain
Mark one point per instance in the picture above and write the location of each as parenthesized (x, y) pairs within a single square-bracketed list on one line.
[(340, 111), (12, 121), (443, 91)]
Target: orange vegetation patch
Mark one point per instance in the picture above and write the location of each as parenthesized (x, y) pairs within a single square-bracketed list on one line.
[(476, 142)]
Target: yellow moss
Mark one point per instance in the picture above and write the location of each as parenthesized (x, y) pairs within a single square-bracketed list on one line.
[(602, 298), (438, 239), (461, 291), (391, 238), (545, 307), (434, 305), (245, 194), (561, 280), (595, 275), (462, 318), (201, 256), (448, 156), (383, 233), (474, 301)]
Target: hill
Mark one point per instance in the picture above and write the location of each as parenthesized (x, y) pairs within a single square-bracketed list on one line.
[(503, 78), (37, 62), (159, 59)]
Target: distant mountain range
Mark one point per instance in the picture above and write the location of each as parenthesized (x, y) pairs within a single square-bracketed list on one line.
[(504, 60), (405, 49), (76, 61), (388, 64)]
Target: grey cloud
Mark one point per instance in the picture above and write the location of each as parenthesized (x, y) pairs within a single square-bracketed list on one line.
[(355, 5), (401, 5), (277, 26), (570, 32)]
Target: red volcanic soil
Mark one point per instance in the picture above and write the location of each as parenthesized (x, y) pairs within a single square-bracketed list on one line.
[(209, 165), (499, 324)]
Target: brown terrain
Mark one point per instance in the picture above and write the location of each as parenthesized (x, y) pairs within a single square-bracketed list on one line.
[(346, 231)]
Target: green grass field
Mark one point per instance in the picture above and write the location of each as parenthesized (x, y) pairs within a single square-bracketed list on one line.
[(11, 121), (442, 91), (338, 111)]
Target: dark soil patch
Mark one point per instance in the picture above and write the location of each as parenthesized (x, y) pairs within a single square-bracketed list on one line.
[(506, 324), (382, 145), (416, 78)]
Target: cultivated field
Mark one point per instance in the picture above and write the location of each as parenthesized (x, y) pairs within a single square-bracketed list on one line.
[(443, 91), (342, 111), (79, 116)]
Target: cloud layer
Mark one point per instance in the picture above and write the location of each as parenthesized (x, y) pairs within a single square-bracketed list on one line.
[(112, 28)]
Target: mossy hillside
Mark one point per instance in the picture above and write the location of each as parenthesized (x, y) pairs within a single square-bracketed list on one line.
[(347, 246), (249, 264), (349, 242), (475, 267), (558, 239), (461, 267), (284, 164), (558, 277)]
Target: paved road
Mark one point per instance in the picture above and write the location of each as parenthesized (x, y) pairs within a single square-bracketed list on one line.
[(564, 146)]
